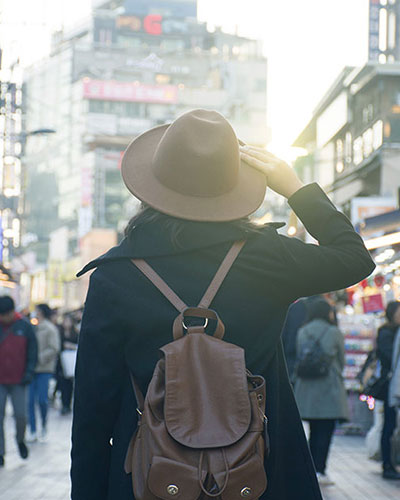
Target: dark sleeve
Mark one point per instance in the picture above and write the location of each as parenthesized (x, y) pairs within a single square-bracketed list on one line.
[(31, 355), (340, 259), (99, 377), (384, 348)]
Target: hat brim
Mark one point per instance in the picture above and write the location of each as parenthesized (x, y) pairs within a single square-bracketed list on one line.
[(138, 176)]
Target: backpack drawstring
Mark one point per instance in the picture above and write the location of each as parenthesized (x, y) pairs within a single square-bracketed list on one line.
[(213, 495)]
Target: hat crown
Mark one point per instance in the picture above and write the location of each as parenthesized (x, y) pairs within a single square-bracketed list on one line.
[(198, 155)]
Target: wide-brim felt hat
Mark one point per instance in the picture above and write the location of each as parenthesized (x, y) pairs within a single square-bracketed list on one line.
[(191, 169)]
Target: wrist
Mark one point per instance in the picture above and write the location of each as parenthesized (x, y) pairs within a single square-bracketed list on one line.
[(293, 187)]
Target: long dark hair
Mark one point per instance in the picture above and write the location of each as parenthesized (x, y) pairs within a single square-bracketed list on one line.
[(149, 215), (319, 309)]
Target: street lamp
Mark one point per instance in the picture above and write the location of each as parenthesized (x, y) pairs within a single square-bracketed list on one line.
[(39, 131)]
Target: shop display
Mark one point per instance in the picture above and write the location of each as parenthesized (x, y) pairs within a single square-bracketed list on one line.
[(359, 332)]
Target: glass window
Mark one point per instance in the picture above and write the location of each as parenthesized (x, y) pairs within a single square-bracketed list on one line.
[(260, 85), (358, 150), (339, 156), (377, 130), (368, 142), (348, 148)]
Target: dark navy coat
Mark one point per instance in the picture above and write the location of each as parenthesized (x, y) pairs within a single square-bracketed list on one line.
[(127, 320)]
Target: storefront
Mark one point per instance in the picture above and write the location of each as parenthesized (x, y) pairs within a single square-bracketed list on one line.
[(364, 305)]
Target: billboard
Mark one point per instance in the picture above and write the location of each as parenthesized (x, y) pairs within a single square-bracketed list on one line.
[(170, 8), (129, 91), (373, 37), (153, 24), (363, 207)]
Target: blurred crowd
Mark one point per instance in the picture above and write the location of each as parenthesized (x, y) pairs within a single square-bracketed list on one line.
[(37, 364)]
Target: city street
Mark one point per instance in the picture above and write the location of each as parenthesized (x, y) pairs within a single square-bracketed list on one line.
[(45, 475)]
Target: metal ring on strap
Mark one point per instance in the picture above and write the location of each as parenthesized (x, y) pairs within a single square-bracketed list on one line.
[(197, 312), (201, 326)]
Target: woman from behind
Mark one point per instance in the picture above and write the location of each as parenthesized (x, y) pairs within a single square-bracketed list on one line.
[(385, 349), (322, 400), (199, 188)]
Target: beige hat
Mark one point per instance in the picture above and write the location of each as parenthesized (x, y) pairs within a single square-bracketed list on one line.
[(191, 169)]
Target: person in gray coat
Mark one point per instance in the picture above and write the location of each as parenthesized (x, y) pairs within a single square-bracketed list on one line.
[(322, 401)]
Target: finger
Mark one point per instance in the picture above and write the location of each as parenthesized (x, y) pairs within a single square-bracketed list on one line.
[(264, 152), (254, 162), (260, 155)]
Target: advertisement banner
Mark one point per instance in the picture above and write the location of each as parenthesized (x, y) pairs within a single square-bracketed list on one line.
[(373, 36), (129, 92), (372, 303)]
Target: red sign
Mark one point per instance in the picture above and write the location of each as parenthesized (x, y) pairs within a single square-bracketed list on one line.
[(153, 24), (129, 92), (373, 303)]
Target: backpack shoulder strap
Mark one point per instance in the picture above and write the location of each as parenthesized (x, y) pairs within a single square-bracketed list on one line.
[(212, 289), (220, 275), (158, 282)]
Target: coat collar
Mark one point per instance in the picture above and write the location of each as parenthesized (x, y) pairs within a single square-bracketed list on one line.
[(154, 240)]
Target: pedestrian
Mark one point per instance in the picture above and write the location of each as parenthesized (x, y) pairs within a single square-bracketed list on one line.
[(322, 400), (295, 319), (48, 349), (198, 189), (69, 343), (18, 356), (394, 384), (384, 350)]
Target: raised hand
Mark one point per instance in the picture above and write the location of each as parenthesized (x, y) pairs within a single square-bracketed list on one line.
[(281, 177)]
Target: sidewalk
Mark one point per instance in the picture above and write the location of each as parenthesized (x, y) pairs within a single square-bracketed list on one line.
[(45, 475)]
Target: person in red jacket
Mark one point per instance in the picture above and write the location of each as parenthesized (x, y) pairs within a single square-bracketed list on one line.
[(18, 357)]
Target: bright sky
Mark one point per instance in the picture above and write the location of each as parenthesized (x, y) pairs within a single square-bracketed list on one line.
[(307, 43)]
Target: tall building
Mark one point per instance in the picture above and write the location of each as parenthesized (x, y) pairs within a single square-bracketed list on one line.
[(10, 172), (134, 65), (353, 138), (384, 36)]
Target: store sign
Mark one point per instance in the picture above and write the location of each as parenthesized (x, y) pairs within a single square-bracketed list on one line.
[(153, 24), (373, 37), (129, 92), (175, 8), (332, 119), (372, 303), (364, 207)]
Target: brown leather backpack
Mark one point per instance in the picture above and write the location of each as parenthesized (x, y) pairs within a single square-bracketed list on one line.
[(202, 426)]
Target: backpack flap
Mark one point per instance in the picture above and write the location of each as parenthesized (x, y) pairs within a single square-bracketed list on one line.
[(169, 479), (207, 402), (246, 481)]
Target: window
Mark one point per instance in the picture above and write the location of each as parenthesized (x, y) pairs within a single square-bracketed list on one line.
[(339, 156), (348, 148), (368, 142), (367, 114), (260, 85), (377, 130), (358, 150)]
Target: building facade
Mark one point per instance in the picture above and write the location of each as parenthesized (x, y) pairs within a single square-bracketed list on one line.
[(353, 138), (132, 66)]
